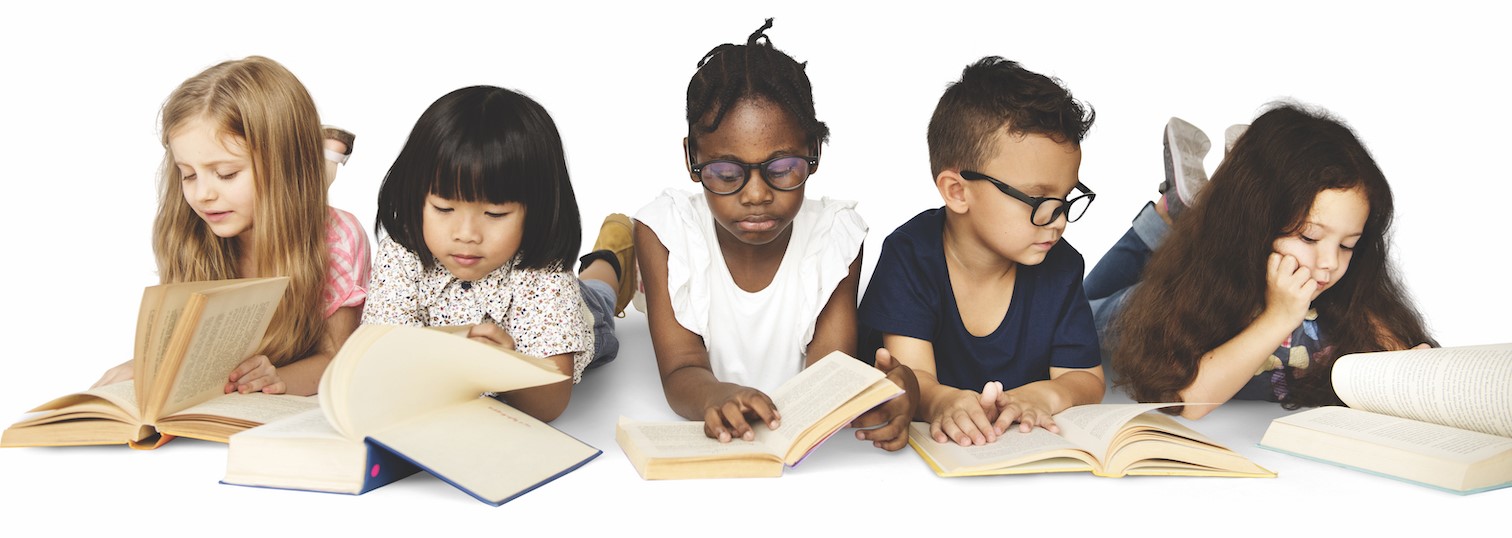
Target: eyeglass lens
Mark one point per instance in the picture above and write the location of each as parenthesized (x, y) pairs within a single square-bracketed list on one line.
[(725, 177)]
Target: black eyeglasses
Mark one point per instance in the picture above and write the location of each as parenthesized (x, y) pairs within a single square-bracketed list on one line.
[(1043, 209), (724, 176)]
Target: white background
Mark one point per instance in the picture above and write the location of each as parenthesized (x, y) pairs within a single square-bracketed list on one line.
[(1424, 87)]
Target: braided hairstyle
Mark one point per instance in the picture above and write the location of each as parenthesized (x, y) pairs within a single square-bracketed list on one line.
[(756, 70)]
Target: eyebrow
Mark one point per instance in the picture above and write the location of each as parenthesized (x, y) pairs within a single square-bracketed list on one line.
[(1328, 228), (773, 155), (212, 163)]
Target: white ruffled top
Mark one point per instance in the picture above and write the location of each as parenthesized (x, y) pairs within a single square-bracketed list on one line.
[(757, 339)]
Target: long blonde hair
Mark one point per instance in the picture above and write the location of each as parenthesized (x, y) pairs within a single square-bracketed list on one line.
[(268, 111)]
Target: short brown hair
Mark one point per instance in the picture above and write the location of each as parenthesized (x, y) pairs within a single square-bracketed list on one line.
[(994, 94)]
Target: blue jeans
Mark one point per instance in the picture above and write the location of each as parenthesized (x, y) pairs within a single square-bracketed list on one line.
[(1119, 270), (600, 300)]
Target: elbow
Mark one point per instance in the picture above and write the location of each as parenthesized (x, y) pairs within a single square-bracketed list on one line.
[(1194, 412)]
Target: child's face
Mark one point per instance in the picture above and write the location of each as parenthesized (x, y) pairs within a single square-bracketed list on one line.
[(753, 131), (472, 239), (1327, 239), (217, 177), (1037, 166)]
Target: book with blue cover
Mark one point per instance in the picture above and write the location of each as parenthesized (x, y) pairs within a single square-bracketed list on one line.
[(398, 400)]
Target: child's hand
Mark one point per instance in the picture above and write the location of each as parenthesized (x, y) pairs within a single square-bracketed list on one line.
[(491, 334), (1029, 405), (118, 373), (257, 373), (961, 419), (1289, 288), (894, 415), (728, 417)]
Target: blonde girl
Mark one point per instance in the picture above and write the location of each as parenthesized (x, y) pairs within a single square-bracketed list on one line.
[(243, 194)]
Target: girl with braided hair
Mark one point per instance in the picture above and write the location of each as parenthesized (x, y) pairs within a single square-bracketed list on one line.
[(748, 281)]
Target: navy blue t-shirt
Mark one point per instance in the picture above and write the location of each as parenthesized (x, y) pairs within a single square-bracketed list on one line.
[(1048, 323)]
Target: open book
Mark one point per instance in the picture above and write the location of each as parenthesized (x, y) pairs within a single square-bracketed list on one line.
[(1112, 440), (189, 337), (1436, 417), (398, 399), (816, 403)]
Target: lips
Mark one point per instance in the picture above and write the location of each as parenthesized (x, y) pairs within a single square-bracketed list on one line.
[(215, 216), (466, 260), (756, 223)]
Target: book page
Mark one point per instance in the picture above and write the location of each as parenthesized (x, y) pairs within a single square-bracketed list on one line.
[(687, 440), (384, 375), (162, 306), (1465, 387), (492, 451), (818, 390), (1094, 427), (1439, 441), (1011, 449), (256, 407), (226, 336)]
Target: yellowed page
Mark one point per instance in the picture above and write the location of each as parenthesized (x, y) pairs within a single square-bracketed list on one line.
[(817, 391), (230, 328), (256, 407), (385, 375), (686, 439), (1423, 452), (1011, 450), (1464, 387), (1094, 427), (491, 450)]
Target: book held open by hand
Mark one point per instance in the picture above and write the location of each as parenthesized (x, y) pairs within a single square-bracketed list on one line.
[(814, 404), (189, 337), (1111, 440)]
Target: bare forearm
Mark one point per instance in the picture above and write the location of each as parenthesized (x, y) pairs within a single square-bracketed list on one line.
[(1069, 389), (546, 402), (1225, 369), (302, 377), (691, 390)]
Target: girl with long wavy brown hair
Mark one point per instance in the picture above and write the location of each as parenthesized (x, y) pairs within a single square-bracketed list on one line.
[(1275, 268), (243, 194)]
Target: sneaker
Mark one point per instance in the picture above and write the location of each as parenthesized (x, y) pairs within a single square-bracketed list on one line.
[(617, 235), (338, 149), (1185, 147), (1231, 135)]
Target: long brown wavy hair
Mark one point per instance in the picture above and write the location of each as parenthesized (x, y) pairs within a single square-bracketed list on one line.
[(1206, 283), (267, 111)]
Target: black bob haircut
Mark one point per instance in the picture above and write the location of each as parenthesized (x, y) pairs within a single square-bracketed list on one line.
[(485, 144)]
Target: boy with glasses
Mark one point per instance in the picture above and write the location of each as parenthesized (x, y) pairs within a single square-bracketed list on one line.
[(982, 293)]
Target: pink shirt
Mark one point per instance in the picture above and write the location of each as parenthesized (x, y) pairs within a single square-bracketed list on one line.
[(350, 262)]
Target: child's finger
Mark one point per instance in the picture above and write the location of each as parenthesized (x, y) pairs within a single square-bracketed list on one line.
[(714, 426), (763, 408), (885, 360), (733, 414)]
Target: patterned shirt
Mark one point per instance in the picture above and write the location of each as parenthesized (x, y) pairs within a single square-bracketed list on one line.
[(541, 309)]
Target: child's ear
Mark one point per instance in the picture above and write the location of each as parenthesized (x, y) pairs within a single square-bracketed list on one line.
[(952, 189), (688, 159), (818, 152)]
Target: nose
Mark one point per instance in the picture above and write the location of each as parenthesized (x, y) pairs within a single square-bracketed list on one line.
[(467, 230), (1328, 258), (756, 191), (203, 191)]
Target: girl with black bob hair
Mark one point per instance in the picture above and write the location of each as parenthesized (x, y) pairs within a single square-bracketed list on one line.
[(481, 225)]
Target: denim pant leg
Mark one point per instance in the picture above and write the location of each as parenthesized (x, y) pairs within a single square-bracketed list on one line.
[(600, 300), (1118, 271)]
